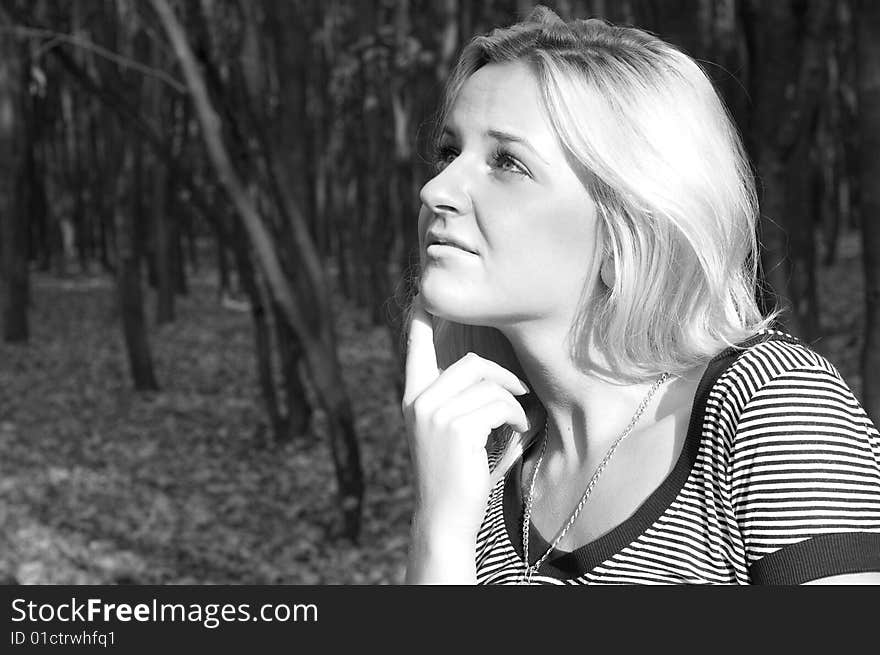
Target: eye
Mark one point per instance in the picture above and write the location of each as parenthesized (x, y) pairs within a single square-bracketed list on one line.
[(443, 156), (506, 162)]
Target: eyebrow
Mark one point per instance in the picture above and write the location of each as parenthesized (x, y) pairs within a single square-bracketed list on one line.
[(504, 137)]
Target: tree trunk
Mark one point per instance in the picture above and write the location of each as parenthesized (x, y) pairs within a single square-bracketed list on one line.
[(126, 198), (179, 118), (163, 252), (75, 174), (159, 202), (262, 339), (449, 38), (191, 248), (869, 169), (222, 268), (299, 412), (318, 338), (181, 286), (129, 283), (787, 83), (13, 220), (36, 120)]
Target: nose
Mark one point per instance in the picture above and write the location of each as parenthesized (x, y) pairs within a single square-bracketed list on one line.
[(447, 192)]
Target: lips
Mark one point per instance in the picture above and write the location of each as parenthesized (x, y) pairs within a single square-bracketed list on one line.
[(437, 238)]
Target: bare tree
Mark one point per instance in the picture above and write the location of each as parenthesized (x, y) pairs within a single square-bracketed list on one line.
[(304, 303), (128, 213), (13, 219), (869, 178), (786, 88)]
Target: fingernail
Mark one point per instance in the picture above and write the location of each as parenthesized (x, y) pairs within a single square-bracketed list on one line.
[(524, 386)]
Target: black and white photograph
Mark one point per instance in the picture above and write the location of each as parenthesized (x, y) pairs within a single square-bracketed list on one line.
[(410, 292)]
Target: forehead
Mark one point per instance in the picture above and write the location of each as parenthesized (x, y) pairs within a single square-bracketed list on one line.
[(501, 96)]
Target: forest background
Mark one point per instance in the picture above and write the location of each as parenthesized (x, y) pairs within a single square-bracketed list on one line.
[(207, 220)]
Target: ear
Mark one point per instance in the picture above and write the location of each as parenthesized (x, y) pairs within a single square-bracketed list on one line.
[(606, 272)]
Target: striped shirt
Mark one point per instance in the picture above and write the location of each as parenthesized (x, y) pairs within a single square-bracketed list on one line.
[(778, 482)]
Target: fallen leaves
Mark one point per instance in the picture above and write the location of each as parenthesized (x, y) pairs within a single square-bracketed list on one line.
[(104, 485), (99, 484)]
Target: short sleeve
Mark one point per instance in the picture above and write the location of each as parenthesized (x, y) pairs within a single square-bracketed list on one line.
[(805, 480)]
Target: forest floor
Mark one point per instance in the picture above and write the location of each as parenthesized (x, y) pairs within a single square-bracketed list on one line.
[(102, 485)]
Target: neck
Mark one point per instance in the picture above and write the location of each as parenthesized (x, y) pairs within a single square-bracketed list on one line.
[(586, 411)]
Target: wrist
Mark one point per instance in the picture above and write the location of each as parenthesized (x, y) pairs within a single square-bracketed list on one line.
[(434, 530), (437, 556)]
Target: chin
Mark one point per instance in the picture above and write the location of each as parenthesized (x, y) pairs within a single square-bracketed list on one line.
[(451, 303)]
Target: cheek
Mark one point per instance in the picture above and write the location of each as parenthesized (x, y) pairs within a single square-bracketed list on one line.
[(557, 265), (554, 255), (549, 238)]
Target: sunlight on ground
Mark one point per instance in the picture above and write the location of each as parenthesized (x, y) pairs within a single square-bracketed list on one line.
[(99, 484), (103, 485)]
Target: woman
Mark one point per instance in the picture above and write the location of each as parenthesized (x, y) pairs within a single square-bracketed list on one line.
[(586, 317)]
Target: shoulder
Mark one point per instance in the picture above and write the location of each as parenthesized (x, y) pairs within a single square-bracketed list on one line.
[(775, 356), (803, 473), (777, 369), (778, 389)]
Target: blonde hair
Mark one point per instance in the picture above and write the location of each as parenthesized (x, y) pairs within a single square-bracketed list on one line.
[(676, 205)]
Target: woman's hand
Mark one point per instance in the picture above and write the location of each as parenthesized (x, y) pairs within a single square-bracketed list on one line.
[(449, 415)]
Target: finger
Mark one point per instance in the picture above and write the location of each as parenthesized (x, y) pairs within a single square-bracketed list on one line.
[(480, 422), (421, 358), (477, 395), (448, 415), (469, 370), (519, 441)]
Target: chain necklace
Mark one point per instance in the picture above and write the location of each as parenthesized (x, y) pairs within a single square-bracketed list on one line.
[(528, 571)]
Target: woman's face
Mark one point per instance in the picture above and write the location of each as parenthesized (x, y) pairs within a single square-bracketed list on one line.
[(504, 190)]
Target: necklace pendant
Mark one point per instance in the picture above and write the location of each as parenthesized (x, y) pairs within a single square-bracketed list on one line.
[(527, 575)]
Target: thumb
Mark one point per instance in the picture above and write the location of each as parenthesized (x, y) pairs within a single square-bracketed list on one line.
[(421, 358)]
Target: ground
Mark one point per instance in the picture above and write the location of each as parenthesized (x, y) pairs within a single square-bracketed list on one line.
[(99, 484), (102, 485)]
